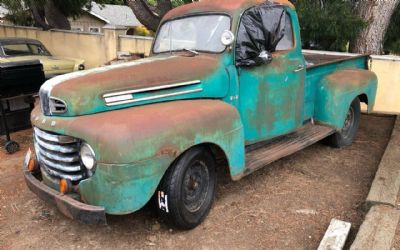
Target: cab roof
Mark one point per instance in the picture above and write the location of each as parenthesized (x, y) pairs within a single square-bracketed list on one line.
[(226, 6)]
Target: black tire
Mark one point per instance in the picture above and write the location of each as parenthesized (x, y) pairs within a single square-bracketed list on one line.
[(186, 192), (12, 147), (346, 136)]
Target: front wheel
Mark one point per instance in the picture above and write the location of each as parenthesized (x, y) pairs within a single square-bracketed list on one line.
[(346, 136), (186, 193)]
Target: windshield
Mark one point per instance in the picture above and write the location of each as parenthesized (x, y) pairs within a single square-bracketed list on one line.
[(199, 33), (24, 49)]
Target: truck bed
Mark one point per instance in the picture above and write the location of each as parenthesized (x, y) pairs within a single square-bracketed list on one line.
[(320, 64), (318, 58)]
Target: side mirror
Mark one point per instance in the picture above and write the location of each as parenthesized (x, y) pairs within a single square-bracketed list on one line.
[(227, 38)]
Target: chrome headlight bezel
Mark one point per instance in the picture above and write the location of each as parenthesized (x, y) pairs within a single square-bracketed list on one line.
[(88, 157)]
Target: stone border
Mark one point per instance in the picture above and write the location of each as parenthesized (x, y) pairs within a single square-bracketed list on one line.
[(379, 227), (386, 184)]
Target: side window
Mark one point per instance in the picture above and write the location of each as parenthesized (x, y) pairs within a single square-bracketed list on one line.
[(287, 41), (263, 29)]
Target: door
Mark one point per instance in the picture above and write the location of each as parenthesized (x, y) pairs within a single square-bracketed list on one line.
[(271, 96)]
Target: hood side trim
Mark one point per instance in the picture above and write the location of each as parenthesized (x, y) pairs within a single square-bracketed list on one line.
[(153, 97), (152, 88)]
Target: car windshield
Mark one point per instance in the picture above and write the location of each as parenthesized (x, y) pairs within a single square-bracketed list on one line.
[(24, 49), (198, 33)]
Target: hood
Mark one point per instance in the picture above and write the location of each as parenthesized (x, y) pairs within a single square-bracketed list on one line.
[(150, 80)]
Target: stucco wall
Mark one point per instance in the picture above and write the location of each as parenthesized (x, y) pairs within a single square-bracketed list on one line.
[(95, 49), (135, 44), (388, 97)]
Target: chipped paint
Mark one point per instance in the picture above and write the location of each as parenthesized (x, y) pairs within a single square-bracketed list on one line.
[(229, 7), (336, 92)]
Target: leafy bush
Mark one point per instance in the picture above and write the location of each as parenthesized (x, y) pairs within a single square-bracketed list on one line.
[(143, 31), (328, 25)]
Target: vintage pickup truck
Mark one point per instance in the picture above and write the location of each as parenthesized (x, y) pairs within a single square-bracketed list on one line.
[(226, 87)]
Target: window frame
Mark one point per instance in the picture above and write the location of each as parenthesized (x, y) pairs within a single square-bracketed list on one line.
[(94, 27), (275, 53), (208, 13), (293, 35)]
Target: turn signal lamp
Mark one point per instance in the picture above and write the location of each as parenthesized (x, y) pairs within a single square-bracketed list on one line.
[(65, 186)]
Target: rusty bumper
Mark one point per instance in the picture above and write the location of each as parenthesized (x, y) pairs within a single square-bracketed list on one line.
[(69, 207)]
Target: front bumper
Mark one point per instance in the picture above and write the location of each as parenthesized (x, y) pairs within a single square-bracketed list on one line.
[(66, 205)]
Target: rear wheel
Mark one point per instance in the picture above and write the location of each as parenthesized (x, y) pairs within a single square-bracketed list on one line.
[(187, 190), (346, 136)]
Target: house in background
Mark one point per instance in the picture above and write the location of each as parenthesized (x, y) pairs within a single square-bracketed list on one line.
[(3, 14), (100, 15)]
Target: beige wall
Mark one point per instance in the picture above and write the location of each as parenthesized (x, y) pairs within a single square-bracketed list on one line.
[(388, 97), (95, 49), (135, 44)]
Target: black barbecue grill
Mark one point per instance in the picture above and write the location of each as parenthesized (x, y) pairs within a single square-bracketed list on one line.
[(19, 82)]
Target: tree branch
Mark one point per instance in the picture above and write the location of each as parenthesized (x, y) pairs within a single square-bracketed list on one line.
[(163, 6), (145, 14), (55, 17)]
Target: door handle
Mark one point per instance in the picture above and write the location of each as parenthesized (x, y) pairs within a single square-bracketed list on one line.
[(299, 68)]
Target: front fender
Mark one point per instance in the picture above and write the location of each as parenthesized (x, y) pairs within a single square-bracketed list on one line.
[(336, 92), (135, 146)]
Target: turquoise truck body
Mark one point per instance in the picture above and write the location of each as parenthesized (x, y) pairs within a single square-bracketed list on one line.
[(140, 117)]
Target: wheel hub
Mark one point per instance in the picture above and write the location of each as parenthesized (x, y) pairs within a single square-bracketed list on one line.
[(348, 123), (195, 186)]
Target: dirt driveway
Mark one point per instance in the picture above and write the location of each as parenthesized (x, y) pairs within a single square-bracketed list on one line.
[(287, 205)]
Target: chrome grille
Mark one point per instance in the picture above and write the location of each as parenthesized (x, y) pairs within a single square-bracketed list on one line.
[(58, 155)]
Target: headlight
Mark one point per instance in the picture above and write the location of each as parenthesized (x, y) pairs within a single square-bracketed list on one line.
[(81, 67), (88, 157)]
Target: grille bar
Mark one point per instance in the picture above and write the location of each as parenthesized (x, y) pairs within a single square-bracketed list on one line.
[(57, 166), (54, 138), (76, 177), (58, 155), (65, 149)]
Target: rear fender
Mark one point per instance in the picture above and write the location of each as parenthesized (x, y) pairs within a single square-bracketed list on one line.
[(336, 92)]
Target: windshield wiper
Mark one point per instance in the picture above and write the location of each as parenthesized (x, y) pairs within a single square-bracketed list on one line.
[(194, 52)]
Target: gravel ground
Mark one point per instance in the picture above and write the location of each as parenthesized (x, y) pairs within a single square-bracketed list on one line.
[(286, 205)]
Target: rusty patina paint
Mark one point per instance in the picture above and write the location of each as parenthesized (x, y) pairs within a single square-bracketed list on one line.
[(84, 94), (136, 143), (336, 92), (68, 206), (231, 7), (135, 146), (272, 96)]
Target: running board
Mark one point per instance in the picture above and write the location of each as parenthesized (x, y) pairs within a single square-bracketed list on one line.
[(284, 146)]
